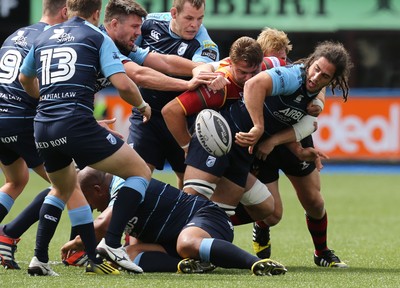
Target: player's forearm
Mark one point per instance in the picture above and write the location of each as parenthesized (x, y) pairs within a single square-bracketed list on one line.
[(170, 64), (30, 85), (159, 81), (175, 120), (254, 96), (284, 136)]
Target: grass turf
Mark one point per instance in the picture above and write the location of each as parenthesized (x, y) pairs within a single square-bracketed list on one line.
[(363, 230)]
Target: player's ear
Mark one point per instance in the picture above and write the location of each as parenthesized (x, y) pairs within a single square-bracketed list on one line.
[(174, 12)]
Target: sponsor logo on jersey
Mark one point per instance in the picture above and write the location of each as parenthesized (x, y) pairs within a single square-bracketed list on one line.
[(115, 55), (209, 54), (210, 161), (20, 39), (131, 225), (155, 35), (182, 49), (61, 36), (209, 44), (289, 114), (102, 82)]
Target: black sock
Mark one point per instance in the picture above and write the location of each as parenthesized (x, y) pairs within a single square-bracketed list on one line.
[(156, 261), (48, 220), (3, 212), (86, 231), (123, 210), (27, 217), (74, 233), (241, 216), (227, 255)]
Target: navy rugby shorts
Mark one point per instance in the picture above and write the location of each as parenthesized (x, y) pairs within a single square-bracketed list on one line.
[(281, 158), (78, 138), (154, 143), (17, 141)]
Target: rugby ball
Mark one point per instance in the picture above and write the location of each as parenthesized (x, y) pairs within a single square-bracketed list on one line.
[(213, 132)]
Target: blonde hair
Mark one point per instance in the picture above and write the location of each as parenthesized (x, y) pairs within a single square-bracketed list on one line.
[(275, 40)]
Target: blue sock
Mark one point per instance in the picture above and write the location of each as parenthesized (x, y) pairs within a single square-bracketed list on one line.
[(27, 217), (156, 261), (49, 216), (6, 202), (224, 254)]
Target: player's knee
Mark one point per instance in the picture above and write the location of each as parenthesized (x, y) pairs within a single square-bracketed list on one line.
[(315, 207), (199, 186), (188, 247), (274, 219)]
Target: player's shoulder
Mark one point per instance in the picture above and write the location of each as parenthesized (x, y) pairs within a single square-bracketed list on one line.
[(160, 16), (24, 36), (203, 37)]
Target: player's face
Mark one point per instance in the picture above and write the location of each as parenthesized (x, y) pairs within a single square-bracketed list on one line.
[(95, 202), (127, 30), (242, 72), (187, 23), (281, 54), (319, 75)]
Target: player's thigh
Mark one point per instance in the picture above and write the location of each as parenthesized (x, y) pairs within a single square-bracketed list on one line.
[(125, 162), (227, 192)]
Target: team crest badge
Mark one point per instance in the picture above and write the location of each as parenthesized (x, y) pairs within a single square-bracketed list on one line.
[(111, 139), (182, 49), (210, 161)]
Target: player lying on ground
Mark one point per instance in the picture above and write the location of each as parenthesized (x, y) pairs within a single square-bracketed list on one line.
[(174, 229)]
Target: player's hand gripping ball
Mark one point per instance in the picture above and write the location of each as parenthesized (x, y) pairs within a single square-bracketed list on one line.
[(213, 132)]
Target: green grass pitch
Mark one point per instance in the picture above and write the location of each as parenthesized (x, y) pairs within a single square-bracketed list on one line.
[(363, 229)]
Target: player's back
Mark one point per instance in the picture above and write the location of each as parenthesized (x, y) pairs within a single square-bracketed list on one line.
[(68, 61), (15, 103), (164, 212), (285, 107)]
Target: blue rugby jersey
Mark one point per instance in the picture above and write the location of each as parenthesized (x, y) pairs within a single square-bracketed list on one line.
[(67, 59), (158, 37), (284, 107), (163, 213), (15, 103)]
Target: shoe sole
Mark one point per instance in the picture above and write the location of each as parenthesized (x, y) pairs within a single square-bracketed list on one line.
[(268, 268), (103, 252)]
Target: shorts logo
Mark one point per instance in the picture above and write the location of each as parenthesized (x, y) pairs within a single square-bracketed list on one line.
[(9, 139), (182, 49), (304, 165), (210, 161), (111, 139)]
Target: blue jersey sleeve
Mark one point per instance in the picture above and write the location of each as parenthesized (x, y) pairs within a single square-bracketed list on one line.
[(110, 58), (139, 55), (28, 66), (285, 80), (208, 50)]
